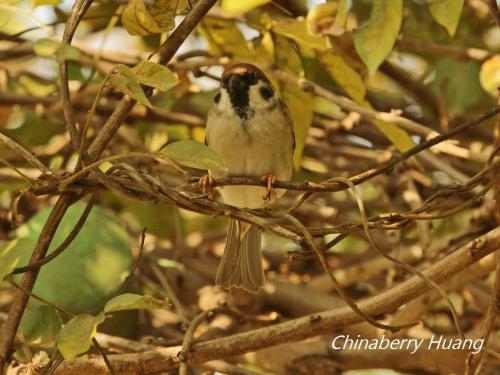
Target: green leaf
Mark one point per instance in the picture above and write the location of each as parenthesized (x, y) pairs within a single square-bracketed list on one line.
[(348, 78), (238, 6), (93, 267), (126, 81), (67, 52), (459, 95), (76, 336), (194, 155), (139, 19), (300, 103), (224, 38), (298, 31), (155, 75), (12, 252), (46, 47), (446, 13), (489, 75), (40, 325), (130, 301), (375, 40)]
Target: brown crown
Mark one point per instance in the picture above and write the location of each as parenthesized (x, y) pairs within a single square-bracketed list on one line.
[(242, 69)]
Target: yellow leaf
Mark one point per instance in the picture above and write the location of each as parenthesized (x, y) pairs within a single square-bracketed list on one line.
[(299, 102), (328, 18), (239, 6), (375, 40), (446, 13), (297, 30), (489, 76), (344, 75), (224, 38), (396, 135), (141, 20)]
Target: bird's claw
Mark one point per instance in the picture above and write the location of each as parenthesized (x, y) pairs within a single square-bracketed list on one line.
[(206, 183), (269, 179)]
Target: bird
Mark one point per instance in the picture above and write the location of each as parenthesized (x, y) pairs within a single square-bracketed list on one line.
[(249, 126)]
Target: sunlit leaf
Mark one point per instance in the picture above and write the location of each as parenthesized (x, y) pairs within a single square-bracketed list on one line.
[(348, 78), (239, 6), (194, 155), (135, 302), (35, 3), (126, 81), (155, 18), (46, 47), (375, 40), (329, 18), (446, 13), (224, 38), (12, 252), (37, 87), (40, 325), (155, 75), (489, 75), (297, 30), (76, 336)]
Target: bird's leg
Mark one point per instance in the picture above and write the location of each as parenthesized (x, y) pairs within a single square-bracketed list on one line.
[(206, 183), (269, 179)]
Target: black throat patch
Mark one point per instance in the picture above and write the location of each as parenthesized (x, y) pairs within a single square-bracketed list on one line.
[(239, 95)]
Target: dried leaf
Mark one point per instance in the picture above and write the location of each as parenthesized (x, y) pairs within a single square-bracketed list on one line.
[(156, 18)]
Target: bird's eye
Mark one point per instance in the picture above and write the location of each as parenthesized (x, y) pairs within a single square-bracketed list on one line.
[(266, 92), (217, 98)]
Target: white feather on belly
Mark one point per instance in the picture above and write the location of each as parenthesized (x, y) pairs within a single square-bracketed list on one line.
[(254, 148)]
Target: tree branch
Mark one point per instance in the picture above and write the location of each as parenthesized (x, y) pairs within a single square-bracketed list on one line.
[(163, 359)]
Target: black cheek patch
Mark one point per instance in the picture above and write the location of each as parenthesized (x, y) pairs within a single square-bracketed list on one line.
[(266, 92), (217, 98)]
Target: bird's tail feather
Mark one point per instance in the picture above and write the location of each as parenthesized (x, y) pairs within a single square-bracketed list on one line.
[(241, 264)]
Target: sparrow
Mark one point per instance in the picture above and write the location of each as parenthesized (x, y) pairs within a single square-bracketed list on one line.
[(250, 128)]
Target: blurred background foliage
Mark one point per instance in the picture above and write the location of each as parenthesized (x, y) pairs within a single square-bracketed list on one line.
[(436, 61)]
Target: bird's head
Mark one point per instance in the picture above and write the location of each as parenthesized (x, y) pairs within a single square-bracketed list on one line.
[(246, 90)]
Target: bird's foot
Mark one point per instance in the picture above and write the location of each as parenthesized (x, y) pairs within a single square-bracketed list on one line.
[(206, 183), (269, 179)]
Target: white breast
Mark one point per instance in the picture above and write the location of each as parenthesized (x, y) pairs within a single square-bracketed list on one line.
[(255, 147)]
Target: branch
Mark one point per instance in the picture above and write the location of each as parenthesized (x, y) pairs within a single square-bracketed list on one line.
[(104, 136), (362, 177), (163, 359)]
